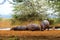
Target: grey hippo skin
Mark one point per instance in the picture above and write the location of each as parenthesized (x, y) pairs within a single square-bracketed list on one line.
[(33, 27), (19, 28), (44, 27)]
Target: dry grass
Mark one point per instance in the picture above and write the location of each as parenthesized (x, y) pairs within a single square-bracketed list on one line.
[(7, 23)]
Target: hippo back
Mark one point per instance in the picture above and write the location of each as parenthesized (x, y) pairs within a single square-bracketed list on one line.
[(33, 27)]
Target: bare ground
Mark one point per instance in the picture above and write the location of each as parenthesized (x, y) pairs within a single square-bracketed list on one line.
[(31, 35)]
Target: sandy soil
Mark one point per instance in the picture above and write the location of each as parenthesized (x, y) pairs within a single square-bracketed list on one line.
[(30, 33)]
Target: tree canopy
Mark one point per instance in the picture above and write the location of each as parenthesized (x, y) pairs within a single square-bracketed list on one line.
[(25, 10)]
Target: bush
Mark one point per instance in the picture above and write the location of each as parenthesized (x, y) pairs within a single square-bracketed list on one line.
[(58, 20), (51, 21)]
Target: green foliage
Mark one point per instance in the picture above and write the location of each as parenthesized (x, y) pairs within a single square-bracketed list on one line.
[(58, 20), (51, 21), (17, 0), (35, 10), (30, 10), (14, 38), (26, 17), (55, 4)]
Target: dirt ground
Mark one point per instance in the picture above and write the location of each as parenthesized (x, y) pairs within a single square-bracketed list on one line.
[(30, 33)]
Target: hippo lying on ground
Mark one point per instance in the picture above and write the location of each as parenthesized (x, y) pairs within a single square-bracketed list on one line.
[(31, 27), (19, 28)]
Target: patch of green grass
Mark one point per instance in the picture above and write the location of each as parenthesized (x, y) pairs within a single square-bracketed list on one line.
[(31, 38)]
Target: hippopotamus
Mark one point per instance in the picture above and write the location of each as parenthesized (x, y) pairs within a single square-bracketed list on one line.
[(19, 28), (44, 25), (33, 27)]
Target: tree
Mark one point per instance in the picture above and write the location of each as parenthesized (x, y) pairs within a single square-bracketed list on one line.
[(55, 5), (30, 10)]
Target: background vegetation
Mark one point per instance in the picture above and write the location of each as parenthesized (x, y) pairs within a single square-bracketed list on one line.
[(30, 10), (35, 10)]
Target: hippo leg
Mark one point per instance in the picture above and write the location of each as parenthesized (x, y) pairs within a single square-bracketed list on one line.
[(42, 28), (45, 28), (48, 28)]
